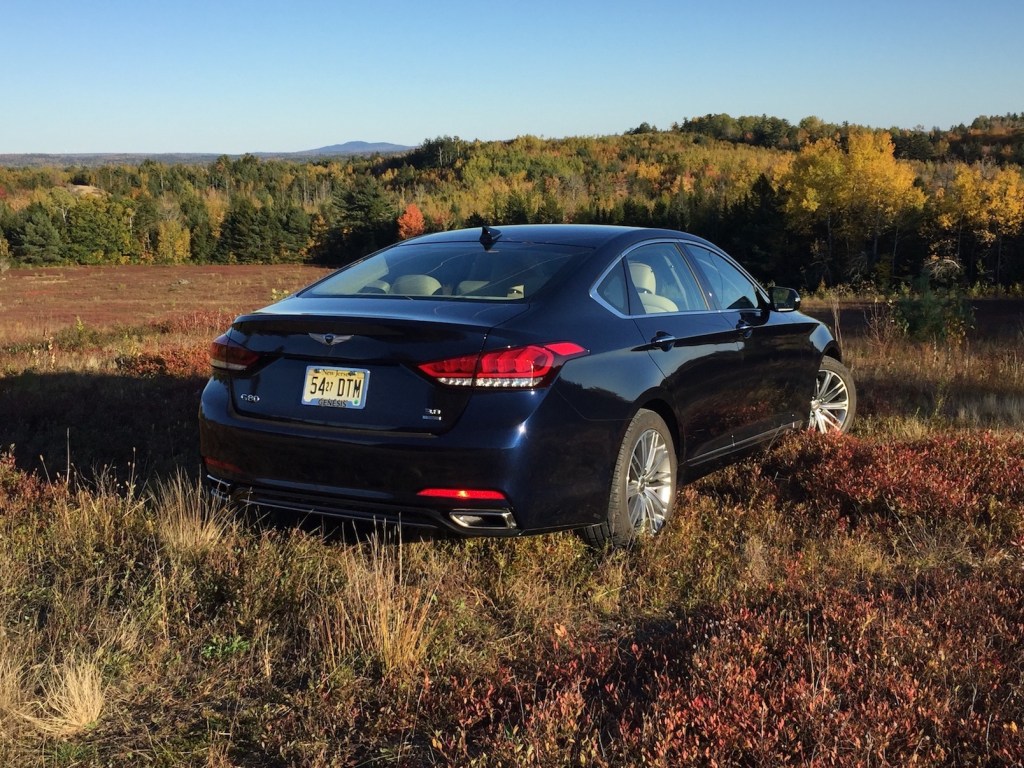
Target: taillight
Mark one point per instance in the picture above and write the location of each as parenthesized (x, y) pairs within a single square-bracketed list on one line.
[(229, 355), (526, 367)]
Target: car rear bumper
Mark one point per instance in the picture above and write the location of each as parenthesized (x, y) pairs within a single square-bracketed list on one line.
[(290, 502), (511, 442)]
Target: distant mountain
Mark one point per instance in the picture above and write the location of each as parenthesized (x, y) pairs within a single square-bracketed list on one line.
[(94, 159), (358, 148)]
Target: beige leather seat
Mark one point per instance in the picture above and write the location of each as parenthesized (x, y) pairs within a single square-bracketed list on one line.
[(646, 285), (643, 277), (468, 286), (654, 303), (415, 285)]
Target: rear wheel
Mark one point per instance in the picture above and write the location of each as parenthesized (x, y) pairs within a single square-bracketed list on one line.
[(643, 488), (834, 403)]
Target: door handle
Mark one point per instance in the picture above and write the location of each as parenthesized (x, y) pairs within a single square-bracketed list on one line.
[(745, 328), (664, 340)]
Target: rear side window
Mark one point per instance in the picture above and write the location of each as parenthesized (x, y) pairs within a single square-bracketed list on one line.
[(613, 290), (455, 271), (662, 279)]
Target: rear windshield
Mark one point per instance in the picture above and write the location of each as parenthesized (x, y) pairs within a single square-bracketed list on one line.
[(457, 271)]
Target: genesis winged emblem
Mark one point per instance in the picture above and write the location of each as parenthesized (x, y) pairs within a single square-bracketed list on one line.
[(330, 339)]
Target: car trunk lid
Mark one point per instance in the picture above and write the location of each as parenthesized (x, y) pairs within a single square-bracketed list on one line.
[(353, 363)]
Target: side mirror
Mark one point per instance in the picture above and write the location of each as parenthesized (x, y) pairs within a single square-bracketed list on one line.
[(785, 299)]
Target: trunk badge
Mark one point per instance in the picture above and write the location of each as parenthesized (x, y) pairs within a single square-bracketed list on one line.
[(330, 339)]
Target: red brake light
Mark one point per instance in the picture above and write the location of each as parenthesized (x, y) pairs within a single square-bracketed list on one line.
[(229, 355), (516, 368), (462, 494)]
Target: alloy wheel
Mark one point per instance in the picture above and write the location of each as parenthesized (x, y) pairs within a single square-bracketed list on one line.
[(649, 484), (831, 402)]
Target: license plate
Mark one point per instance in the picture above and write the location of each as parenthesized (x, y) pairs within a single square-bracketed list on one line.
[(335, 387)]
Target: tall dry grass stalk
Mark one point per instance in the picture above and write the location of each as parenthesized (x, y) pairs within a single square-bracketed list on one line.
[(73, 698), (835, 306), (188, 521), (379, 615), (11, 685)]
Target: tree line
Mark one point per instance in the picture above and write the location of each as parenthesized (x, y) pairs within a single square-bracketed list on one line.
[(998, 139), (806, 205)]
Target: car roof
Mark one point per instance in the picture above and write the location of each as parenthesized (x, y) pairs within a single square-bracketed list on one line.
[(588, 235)]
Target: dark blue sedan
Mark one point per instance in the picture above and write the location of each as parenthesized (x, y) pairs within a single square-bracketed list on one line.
[(515, 380)]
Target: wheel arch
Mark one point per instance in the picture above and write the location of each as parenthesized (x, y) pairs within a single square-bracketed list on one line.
[(832, 350), (824, 342), (661, 407)]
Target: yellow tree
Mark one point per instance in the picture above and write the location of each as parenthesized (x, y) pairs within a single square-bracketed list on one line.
[(814, 183), (965, 204), (5, 254), (878, 191), (1005, 193), (960, 206), (860, 194), (173, 242)]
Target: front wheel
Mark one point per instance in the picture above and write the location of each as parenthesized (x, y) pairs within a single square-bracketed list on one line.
[(834, 403), (643, 487)]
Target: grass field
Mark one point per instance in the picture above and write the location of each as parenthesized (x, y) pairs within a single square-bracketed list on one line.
[(837, 601)]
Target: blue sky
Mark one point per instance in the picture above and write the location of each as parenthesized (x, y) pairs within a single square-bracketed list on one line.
[(234, 77)]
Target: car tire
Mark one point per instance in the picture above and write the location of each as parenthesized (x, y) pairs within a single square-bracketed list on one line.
[(643, 488), (834, 402)]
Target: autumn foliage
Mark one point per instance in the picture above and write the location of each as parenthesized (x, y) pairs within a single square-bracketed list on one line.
[(411, 223), (801, 205)]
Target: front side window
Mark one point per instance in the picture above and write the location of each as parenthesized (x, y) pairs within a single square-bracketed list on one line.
[(456, 271), (729, 287)]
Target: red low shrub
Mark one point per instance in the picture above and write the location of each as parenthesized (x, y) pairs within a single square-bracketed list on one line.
[(798, 676), (208, 320), (19, 490), (180, 362), (953, 475)]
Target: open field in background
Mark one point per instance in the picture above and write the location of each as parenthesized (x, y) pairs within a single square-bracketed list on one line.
[(103, 366), (37, 304), (846, 601)]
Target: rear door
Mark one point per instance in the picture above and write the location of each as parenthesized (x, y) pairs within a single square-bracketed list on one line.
[(696, 350)]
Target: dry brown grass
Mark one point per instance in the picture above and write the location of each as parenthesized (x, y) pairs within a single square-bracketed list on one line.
[(141, 626), (72, 699), (978, 383), (190, 523), (382, 615), (74, 695), (11, 691)]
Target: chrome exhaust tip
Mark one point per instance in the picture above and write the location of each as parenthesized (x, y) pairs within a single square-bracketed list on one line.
[(483, 519), (218, 489)]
